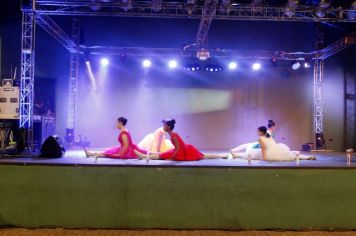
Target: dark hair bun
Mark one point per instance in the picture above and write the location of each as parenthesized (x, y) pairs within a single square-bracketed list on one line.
[(271, 123), (170, 123), (122, 119)]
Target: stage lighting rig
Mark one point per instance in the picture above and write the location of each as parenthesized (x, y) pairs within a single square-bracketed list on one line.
[(203, 54), (126, 5), (290, 7), (156, 5), (321, 10)]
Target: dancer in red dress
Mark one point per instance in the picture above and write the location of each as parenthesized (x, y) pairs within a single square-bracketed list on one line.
[(181, 150), (127, 149)]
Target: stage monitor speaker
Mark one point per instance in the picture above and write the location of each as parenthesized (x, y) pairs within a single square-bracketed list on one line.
[(52, 147)]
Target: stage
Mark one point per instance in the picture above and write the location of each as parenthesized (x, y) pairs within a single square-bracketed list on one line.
[(77, 192), (77, 157)]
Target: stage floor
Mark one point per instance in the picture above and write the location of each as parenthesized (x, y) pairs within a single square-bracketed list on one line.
[(77, 158)]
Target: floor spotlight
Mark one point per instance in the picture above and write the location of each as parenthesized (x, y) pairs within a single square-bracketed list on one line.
[(256, 66), (104, 61), (232, 65), (295, 65), (172, 64), (146, 63)]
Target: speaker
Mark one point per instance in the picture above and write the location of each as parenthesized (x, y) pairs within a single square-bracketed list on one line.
[(306, 147), (52, 147)]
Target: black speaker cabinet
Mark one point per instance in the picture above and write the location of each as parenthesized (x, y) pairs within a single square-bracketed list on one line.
[(52, 147)]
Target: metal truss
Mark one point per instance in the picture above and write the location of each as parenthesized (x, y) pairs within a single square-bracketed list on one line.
[(73, 76), (56, 32), (206, 18), (174, 52), (350, 111), (318, 84), (338, 46), (185, 10), (27, 75)]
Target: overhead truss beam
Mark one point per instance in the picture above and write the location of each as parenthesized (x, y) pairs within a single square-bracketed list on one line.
[(171, 52), (183, 10)]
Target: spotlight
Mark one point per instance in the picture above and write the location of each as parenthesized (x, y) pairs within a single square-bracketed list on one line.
[(351, 14), (156, 5), (213, 67), (307, 64), (146, 63), (295, 65), (104, 62), (290, 7), (172, 64), (256, 66), (320, 12), (289, 11), (203, 54), (232, 65), (192, 67), (324, 4), (126, 5)]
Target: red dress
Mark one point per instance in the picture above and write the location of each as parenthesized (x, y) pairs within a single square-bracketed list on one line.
[(129, 153), (186, 152)]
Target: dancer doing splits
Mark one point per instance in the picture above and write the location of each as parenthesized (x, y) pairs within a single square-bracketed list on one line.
[(181, 150), (270, 150), (126, 150)]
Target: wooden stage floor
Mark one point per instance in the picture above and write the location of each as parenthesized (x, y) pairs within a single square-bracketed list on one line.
[(77, 158)]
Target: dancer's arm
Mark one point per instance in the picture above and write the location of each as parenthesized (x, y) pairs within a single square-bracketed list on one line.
[(263, 148), (125, 145), (157, 141)]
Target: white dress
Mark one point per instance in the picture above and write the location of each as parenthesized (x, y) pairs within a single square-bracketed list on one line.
[(150, 141), (277, 151), (274, 151)]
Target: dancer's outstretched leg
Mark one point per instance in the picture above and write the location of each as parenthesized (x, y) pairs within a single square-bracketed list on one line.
[(215, 155), (154, 156)]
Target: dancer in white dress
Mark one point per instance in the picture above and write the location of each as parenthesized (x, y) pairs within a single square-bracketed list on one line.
[(156, 142), (246, 147), (270, 150)]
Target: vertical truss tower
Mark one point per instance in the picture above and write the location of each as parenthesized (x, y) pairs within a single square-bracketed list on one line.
[(27, 76)]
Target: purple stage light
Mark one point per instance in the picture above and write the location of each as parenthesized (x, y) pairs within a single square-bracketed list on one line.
[(256, 66), (172, 64), (307, 64), (104, 62), (146, 63), (232, 65), (296, 65)]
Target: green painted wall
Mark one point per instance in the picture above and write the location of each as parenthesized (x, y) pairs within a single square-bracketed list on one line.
[(177, 198)]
